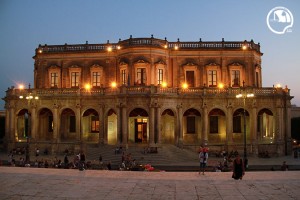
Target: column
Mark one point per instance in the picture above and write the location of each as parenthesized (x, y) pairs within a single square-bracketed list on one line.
[(205, 125), (78, 123), (33, 123), (158, 125), (151, 125), (179, 133), (102, 137), (56, 124), (12, 125), (119, 124), (288, 127), (229, 128), (253, 131), (124, 125), (7, 136)]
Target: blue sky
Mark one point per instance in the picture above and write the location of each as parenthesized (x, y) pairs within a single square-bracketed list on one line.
[(24, 24)]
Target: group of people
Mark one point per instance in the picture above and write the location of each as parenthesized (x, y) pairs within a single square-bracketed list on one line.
[(238, 163)]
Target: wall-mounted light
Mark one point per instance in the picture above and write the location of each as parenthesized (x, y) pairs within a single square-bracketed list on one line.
[(184, 86), (113, 84)]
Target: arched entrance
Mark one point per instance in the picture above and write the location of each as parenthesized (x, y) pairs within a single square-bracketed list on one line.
[(112, 127), (217, 126), (265, 125), (23, 125), (45, 125), (138, 126), (90, 126), (167, 125), (238, 124), (68, 125), (191, 126)]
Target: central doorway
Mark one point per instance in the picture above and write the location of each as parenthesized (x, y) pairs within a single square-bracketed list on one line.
[(141, 130)]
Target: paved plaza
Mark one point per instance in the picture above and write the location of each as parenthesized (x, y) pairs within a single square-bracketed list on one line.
[(41, 183)]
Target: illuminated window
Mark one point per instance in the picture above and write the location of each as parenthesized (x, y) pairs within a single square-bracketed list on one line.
[(75, 79), (160, 76), (96, 79), (54, 79), (141, 76), (123, 76), (94, 124), (212, 78)]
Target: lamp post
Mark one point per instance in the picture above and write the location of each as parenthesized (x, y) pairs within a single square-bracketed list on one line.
[(245, 96), (27, 122)]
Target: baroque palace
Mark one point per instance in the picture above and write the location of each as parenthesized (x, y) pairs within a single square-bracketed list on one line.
[(150, 91)]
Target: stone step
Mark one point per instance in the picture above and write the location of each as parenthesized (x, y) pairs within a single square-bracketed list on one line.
[(167, 154)]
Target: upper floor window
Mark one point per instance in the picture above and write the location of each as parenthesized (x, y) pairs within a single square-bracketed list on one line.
[(212, 78), (75, 79), (96, 79), (190, 78), (97, 76), (235, 78), (141, 76), (123, 76), (54, 79), (54, 76), (160, 76)]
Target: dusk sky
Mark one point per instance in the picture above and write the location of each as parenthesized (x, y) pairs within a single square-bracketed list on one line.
[(24, 24)]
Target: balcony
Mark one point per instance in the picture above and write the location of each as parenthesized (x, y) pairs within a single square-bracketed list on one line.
[(148, 42), (203, 92)]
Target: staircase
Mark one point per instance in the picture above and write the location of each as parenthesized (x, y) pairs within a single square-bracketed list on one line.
[(168, 155)]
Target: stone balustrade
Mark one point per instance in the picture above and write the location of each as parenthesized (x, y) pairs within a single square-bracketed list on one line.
[(146, 90), (147, 42)]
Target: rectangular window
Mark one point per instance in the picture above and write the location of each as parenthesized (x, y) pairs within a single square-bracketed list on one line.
[(237, 124), (54, 79), (96, 79), (50, 124), (123, 76), (94, 124), (72, 127), (160, 76), (212, 78), (214, 124), (141, 76), (190, 124), (75, 79), (190, 78), (235, 78)]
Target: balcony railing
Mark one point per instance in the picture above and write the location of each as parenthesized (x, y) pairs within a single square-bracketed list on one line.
[(147, 42), (146, 90)]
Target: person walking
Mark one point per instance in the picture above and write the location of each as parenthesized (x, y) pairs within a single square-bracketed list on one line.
[(238, 168), (203, 156)]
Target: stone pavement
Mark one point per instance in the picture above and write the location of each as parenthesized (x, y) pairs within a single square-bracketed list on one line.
[(41, 183)]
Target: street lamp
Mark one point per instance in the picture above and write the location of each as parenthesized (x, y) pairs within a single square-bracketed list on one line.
[(27, 122), (245, 96)]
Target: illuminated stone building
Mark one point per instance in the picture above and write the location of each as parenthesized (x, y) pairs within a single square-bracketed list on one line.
[(150, 91)]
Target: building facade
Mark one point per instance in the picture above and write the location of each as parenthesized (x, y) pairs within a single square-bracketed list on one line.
[(150, 91)]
